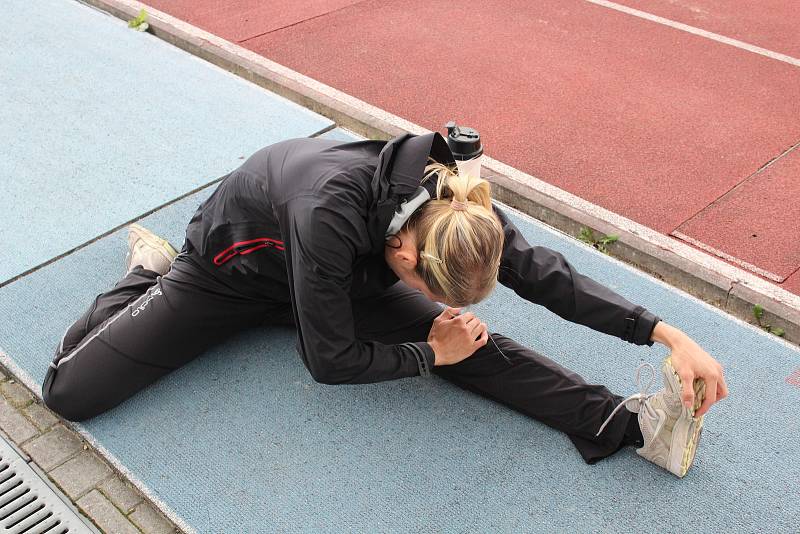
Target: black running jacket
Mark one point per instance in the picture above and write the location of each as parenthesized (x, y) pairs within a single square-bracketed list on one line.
[(309, 216)]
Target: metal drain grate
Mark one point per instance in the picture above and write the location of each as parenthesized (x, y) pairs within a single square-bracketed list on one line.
[(30, 505)]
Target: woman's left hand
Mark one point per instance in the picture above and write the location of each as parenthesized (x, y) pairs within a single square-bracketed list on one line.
[(691, 361)]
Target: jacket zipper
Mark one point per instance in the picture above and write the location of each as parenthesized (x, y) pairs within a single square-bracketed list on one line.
[(246, 247)]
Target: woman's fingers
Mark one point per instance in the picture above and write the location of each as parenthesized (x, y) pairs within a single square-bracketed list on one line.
[(467, 317), (687, 393), (716, 389), (451, 313), (711, 397), (481, 341), (445, 314), (722, 389), (476, 327)]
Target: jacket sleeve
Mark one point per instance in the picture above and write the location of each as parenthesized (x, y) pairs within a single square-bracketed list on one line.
[(543, 276), (321, 246)]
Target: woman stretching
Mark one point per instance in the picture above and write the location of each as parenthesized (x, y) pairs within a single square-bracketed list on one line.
[(358, 245)]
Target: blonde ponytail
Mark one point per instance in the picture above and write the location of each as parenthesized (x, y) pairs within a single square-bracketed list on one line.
[(459, 238), (457, 186)]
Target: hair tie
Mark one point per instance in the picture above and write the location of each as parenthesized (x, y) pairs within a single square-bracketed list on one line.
[(457, 205)]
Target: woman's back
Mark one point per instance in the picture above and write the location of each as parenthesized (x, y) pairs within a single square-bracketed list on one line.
[(255, 204)]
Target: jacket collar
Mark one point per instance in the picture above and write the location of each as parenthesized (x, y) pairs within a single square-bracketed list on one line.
[(401, 164)]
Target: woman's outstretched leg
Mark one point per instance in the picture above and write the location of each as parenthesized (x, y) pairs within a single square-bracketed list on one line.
[(537, 386), (519, 377)]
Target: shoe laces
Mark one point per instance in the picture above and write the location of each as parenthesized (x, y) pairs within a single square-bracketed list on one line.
[(640, 398)]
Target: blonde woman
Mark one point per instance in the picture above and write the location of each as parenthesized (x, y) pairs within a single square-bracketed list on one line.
[(358, 245)]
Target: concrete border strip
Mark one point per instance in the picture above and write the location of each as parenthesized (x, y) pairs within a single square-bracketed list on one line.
[(711, 279), (27, 380), (697, 31), (721, 254)]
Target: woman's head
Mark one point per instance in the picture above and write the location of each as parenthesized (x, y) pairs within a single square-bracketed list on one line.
[(457, 237)]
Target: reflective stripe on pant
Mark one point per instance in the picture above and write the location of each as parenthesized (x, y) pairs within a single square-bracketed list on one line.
[(141, 330)]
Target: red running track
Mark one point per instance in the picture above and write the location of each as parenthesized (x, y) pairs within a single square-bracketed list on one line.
[(662, 126)]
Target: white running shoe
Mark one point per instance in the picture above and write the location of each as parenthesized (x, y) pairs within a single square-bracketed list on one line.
[(670, 430), (148, 250)]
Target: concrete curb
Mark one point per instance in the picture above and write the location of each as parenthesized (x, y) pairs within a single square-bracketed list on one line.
[(707, 277)]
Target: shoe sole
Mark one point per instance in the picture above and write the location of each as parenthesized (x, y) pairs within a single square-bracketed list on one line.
[(688, 428), (152, 240)]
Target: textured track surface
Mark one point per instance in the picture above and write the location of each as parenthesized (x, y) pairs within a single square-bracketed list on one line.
[(577, 98), (97, 122), (341, 134), (242, 437)]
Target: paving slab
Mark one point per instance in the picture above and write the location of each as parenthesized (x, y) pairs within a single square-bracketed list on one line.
[(53, 448), (41, 416), (770, 24), (242, 437), (645, 120), (150, 521), (97, 122), (121, 494), (757, 222), (243, 19), (78, 475), (16, 393), (18, 428), (792, 283), (105, 514)]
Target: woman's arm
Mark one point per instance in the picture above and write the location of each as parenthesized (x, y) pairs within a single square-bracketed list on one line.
[(691, 361), (543, 276), (320, 247)]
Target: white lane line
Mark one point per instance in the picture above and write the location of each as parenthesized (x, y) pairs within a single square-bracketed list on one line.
[(697, 31)]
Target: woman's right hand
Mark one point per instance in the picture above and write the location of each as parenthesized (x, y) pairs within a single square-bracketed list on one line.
[(454, 337)]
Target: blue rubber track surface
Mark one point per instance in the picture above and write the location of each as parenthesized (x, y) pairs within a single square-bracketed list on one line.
[(242, 440), (96, 122)]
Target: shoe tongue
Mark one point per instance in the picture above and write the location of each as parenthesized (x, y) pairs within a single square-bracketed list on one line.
[(634, 404)]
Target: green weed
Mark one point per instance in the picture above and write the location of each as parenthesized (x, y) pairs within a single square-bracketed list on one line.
[(758, 312), (587, 236), (140, 22)]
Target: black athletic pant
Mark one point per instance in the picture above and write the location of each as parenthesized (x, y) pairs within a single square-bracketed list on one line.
[(149, 325)]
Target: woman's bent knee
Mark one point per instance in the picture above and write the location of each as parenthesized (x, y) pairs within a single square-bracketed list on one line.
[(69, 403)]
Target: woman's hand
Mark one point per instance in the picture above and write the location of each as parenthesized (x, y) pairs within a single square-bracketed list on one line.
[(454, 337), (691, 361)]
